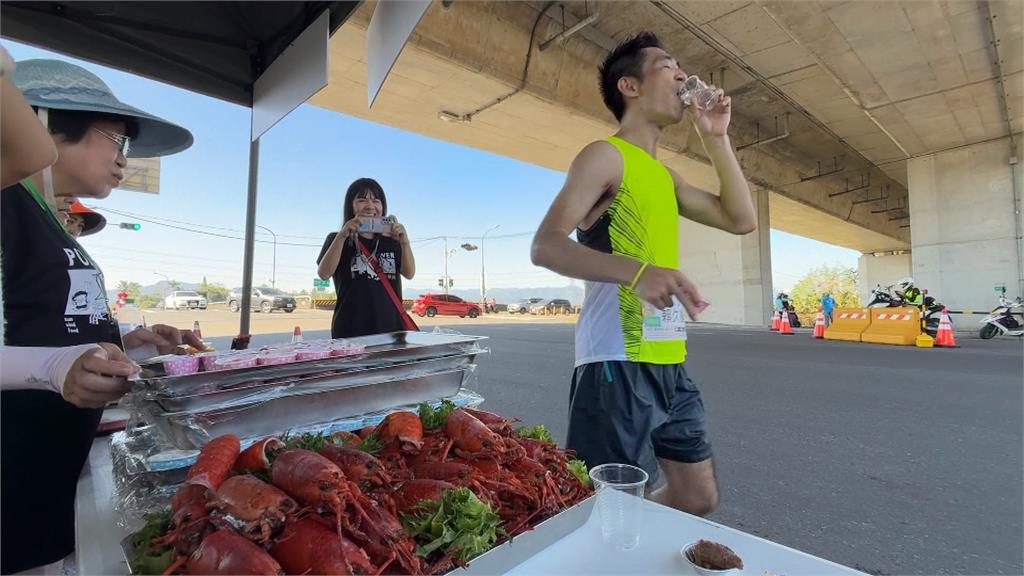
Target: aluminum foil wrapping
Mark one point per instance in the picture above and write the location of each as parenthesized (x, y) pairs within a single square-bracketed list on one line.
[(273, 409), (377, 351)]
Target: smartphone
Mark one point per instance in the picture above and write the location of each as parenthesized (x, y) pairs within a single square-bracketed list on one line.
[(375, 225)]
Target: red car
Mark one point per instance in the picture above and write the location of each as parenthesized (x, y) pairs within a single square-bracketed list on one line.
[(444, 304)]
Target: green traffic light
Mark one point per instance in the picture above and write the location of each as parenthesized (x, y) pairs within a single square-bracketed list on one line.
[(136, 226)]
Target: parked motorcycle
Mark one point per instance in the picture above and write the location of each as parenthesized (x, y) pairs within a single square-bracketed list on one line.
[(885, 297), (932, 313), (794, 320), (1003, 319), (888, 297)]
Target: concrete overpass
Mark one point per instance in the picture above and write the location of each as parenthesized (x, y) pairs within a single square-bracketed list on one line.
[(888, 127)]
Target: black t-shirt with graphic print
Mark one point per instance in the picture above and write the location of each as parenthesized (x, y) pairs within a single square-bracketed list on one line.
[(53, 295), (363, 305)]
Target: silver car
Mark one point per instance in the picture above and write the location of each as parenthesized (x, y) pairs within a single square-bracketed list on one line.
[(523, 306)]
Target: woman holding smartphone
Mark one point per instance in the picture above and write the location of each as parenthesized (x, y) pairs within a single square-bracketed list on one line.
[(367, 243)]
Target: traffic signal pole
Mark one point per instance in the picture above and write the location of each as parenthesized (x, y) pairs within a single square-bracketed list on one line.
[(446, 265)]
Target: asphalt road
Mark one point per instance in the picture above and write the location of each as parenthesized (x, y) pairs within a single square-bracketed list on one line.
[(891, 460)]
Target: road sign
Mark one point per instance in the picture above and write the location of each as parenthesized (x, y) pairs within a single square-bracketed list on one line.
[(318, 283)]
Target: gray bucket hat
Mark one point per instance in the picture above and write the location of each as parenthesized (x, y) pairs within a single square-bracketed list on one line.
[(59, 85)]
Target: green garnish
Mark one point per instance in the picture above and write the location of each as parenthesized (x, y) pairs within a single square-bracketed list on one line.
[(371, 444), (459, 523), (316, 442), (579, 470), (538, 432), (146, 561), (433, 418)]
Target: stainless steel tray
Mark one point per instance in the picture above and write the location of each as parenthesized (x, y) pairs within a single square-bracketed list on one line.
[(185, 430), (252, 393), (504, 557), (381, 350)]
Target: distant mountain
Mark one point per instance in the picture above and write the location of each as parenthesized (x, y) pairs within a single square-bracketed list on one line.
[(161, 288)]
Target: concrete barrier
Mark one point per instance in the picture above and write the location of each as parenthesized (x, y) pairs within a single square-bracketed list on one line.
[(899, 326), (848, 324)]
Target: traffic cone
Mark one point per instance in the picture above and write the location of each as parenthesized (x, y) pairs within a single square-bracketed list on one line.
[(944, 336), (196, 330), (784, 327), (776, 318), (819, 324), (296, 335)]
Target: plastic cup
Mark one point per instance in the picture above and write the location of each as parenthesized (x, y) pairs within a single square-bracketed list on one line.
[(620, 499)]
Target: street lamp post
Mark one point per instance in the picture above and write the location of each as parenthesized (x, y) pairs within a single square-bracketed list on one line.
[(273, 278), (170, 283), (483, 273)]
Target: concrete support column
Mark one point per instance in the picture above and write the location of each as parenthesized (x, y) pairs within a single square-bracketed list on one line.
[(732, 272), (757, 264), (965, 224), (884, 269)]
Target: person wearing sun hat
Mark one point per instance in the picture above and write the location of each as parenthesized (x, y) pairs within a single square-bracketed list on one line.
[(54, 301), (80, 220)]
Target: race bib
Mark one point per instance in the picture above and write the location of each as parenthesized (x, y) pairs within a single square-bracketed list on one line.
[(667, 324)]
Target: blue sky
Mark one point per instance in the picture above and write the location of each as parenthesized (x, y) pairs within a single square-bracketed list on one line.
[(307, 161)]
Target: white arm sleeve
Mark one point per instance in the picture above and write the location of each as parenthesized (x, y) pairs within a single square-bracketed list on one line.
[(38, 368)]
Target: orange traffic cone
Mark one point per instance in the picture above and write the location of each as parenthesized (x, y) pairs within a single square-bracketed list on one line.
[(819, 325), (944, 336), (196, 330), (297, 335), (776, 319), (784, 327)]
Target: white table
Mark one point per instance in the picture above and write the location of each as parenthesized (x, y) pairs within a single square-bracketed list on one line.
[(664, 531)]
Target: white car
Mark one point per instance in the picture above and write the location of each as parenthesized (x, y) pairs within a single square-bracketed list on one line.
[(185, 299)]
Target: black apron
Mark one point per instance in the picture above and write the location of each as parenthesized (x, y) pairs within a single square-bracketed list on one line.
[(53, 295)]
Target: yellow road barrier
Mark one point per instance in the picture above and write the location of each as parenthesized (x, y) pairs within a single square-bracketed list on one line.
[(900, 326), (848, 324)]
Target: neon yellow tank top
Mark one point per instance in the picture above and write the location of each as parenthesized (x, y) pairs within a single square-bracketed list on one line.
[(642, 223)]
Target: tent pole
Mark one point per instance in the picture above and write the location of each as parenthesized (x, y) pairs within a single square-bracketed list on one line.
[(250, 238)]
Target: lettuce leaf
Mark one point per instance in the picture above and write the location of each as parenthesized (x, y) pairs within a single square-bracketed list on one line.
[(579, 470), (146, 561), (538, 432), (459, 523)]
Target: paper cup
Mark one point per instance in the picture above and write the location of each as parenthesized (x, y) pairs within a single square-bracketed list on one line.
[(179, 365)]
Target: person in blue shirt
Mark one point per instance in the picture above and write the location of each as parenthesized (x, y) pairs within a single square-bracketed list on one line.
[(780, 302), (828, 305)]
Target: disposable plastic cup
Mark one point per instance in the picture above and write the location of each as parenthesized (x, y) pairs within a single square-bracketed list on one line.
[(620, 498)]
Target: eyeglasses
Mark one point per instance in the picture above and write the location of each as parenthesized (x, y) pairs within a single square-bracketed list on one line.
[(123, 142)]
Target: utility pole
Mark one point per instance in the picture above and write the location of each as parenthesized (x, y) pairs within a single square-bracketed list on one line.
[(483, 272), (447, 281)]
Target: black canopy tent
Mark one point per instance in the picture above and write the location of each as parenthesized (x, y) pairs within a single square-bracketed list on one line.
[(218, 49)]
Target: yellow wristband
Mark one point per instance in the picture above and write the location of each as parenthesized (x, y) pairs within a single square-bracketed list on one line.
[(636, 278)]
